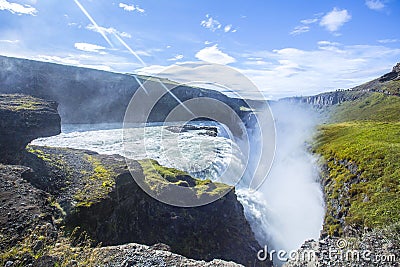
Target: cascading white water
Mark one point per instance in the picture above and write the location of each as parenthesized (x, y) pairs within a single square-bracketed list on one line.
[(285, 211), (288, 208), (201, 155)]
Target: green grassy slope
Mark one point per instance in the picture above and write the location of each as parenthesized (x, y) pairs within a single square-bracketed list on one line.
[(361, 149)]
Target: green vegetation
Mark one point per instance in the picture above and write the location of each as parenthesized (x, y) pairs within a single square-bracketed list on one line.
[(376, 107), (158, 178), (361, 151), (393, 87), (20, 102), (64, 249), (98, 183), (40, 153)]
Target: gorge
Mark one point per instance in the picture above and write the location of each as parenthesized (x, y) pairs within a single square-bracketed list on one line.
[(82, 199)]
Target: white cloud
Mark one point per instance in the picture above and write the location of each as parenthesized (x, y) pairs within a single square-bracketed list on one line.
[(309, 21), (332, 46), (131, 8), (323, 43), (300, 29), (90, 48), (227, 28), (211, 23), (335, 19), (9, 41), (109, 30), (140, 10), (208, 42), (332, 66), (375, 4), (290, 71), (176, 58), (127, 7), (304, 25), (213, 54), (18, 9), (388, 41)]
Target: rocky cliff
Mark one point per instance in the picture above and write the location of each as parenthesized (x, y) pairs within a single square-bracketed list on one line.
[(93, 96), (388, 84), (59, 204), (22, 119)]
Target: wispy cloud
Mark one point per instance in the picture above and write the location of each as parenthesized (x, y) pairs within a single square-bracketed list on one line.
[(214, 25), (90, 48), (335, 19), (109, 30), (213, 54), (332, 66), (131, 8), (211, 23), (176, 58), (290, 71), (9, 41), (388, 41), (227, 28), (375, 4), (94, 24), (107, 62), (300, 29), (304, 25), (18, 9), (309, 21)]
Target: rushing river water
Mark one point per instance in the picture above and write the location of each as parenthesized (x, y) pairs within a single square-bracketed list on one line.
[(287, 209)]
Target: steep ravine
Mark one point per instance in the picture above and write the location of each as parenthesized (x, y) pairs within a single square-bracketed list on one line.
[(66, 202), (359, 150)]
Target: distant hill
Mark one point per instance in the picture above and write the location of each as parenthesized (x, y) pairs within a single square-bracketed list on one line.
[(360, 147), (93, 96), (388, 84)]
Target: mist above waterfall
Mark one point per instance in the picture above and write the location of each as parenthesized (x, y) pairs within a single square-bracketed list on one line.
[(288, 208)]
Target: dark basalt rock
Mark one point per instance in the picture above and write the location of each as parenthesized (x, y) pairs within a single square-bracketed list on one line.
[(23, 208), (396, 68), (22, 119), (208, 130), (117, 211)]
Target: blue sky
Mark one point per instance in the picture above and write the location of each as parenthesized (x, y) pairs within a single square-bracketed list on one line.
[(285, 47)]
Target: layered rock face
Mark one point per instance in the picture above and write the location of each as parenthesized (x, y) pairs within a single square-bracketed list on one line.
[(22, 119), (327, 99), (388, 84)]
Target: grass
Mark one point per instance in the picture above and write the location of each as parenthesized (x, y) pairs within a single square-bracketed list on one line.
[(21, 102), (377, 107), (158, 178), (361, 152), (393, 87), (98, 183), (61, 248)]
